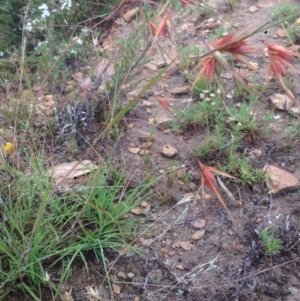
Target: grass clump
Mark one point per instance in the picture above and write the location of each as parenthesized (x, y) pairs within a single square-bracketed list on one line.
[(271, 244), (284, 9), (43, 228)]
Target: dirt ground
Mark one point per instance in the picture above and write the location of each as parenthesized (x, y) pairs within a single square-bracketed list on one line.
[(193, 251)]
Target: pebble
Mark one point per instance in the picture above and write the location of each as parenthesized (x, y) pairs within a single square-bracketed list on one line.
[(198, 234), (169, 151), (198, 224), (116, 289)]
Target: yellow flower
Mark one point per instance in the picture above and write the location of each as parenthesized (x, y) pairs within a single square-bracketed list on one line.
[(9, 148), (298, 21)]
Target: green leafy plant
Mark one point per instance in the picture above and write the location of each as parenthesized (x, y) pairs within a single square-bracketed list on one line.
[(271, 244)]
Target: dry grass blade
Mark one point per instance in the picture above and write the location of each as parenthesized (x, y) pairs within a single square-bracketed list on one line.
[(279, 59), (208, 179), (235, 45), (209, 66), (163, 103), (162, 29)]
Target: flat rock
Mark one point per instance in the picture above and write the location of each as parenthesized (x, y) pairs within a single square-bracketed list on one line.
[(253, 9), (161, 63), (162, 121), (253, 66), (134, 150), (186, 245), (151, 66), (281, 33), (145, 137), (147, 103), (146, 144), (129, 15), (144, 152), (121, 275), (169, 151), (146, 242), (116, 288), (181, 90), (198, 224), (198, 234), (279, 180), (281, 101)]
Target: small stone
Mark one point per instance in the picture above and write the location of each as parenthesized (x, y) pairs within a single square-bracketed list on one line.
[(279, 180), (198, 234), (198, 224), (281, 33), (130, 275), (163, 121), (151, 66), (253, 66), (181, 172), (179, 267), (187, 26), (144, 152), (147, 103), (137, 298), (169, 151), (146, 144), (144, 204), (281, 101), (116, 288), (121, 275), (294, 111), (137, 211), (253, 9), (161, 63), (181, 90), (128, 16), (134, 150), (192, 186), (186, 245), (146, 242), (145, 137), (118, 22)]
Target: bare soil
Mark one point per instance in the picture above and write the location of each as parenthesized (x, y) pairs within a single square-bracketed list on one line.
[(221, 260)]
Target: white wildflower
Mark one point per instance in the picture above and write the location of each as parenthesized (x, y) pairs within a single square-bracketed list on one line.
[(66, 4), (28, 26), (45, 11)]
